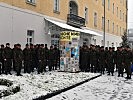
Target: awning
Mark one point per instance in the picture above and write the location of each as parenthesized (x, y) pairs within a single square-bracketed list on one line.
[(66, 26)]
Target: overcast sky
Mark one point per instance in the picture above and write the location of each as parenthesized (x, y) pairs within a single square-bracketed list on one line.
[(130, 13)]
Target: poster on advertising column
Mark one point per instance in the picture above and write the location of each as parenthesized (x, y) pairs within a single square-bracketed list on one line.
[(69, 47)]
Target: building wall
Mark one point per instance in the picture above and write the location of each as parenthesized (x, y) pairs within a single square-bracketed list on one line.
[(14, 26), (46, 7)]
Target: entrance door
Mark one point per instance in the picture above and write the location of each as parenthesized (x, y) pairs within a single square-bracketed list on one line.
[(55, 39)]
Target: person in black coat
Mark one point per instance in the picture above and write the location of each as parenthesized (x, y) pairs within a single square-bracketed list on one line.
[(27, 59), (1, 60), (18, 58), (110, 61), (41, 58), (84, 56), (127, 61), (93, 59), (33, 57), (120, 61), (56, 58), (7, 56), (51, 58), (102, 58)]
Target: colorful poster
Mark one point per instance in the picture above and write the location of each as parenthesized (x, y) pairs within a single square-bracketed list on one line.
[(69, 46)]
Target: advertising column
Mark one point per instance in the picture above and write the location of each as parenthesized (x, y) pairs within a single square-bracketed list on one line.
[(69, 51)]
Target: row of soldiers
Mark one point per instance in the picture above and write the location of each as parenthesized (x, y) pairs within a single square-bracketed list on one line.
[(32, 56), (98, 59)]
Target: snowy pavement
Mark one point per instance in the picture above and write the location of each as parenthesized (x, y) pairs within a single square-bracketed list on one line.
[(34, 85), (101, 88)]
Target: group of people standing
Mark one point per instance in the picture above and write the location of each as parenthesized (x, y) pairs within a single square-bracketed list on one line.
[(98, 59), (92, 59), (32, 56)]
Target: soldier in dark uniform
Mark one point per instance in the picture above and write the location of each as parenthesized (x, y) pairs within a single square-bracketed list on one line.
[(27, 59), (7, 56), (36, 56), (57, 55), (51, 58), (97, 61), (46, 56), (1, 60), (41, 58), (110, 61), (84, 56), (33, 57), (14, 48), (102, 60), (106, 52), (93, 59), (115, 60), (120, 61), (127, 61), (18, 58)]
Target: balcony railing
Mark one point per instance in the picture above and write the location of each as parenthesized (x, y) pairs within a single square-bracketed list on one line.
[(75, 20)]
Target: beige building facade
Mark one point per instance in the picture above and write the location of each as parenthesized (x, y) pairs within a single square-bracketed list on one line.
[(30, 21)]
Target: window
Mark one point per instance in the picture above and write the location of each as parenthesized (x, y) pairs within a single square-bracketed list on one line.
[(86, 14), (56, 5), (123, 31), (30, 34), (102, 2), (95, 19), (102, 22), (113, 27), (108, 4), (120, 14), (120, 30), (117, 29), (73, 8), (113, 8), (123, 16), (30, 1), (117, 11), (108, 26)]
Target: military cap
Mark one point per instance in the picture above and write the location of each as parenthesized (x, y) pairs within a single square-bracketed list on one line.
[(31, 44), (84, 43), (102, 46), (127, 46), (27, 44), (110, 48), (45, 45), (42, 44), (7, 43), (51, 46)]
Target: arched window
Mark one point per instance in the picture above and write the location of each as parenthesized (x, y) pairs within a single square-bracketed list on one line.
[(73, 8)]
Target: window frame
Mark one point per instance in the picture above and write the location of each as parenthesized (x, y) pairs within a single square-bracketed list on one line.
[(56, 6), (31, 2), (86, 15), (30, 36), (95, 19)]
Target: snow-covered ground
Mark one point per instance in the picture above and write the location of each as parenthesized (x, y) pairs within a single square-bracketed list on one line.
[(2, 87), (34, 85), (102, 88)]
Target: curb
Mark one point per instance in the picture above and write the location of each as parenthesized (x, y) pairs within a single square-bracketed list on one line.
[(49, 95)]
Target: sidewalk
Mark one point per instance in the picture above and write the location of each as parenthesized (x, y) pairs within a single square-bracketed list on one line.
[(34, 86)]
